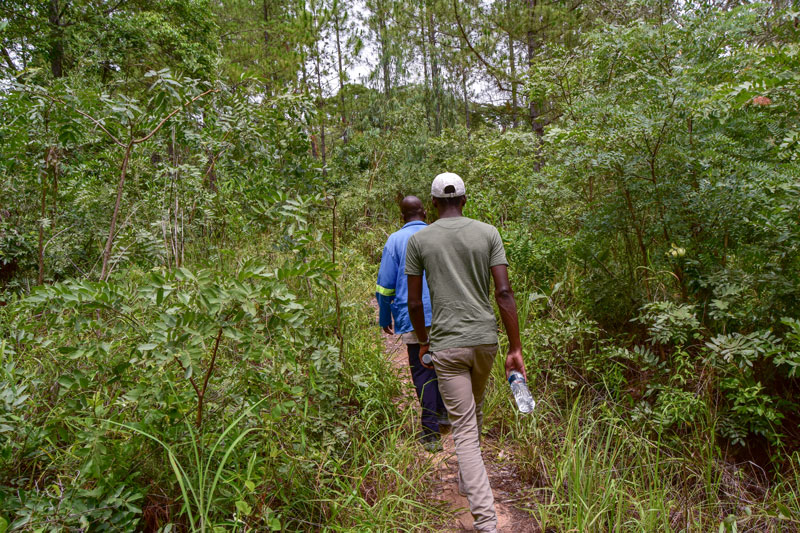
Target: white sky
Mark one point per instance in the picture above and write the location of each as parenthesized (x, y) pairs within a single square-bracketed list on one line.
[(480, 89)]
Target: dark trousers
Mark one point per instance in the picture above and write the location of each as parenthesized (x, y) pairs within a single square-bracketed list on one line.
[(427, 392)]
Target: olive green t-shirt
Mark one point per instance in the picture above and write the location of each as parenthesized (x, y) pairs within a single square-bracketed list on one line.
[(457, 255)]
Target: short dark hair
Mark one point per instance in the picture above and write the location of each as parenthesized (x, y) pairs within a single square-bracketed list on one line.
[(454, 201)]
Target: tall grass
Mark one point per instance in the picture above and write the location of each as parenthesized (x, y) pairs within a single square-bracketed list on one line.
[(382, 481), (199, 480), (586, 467)]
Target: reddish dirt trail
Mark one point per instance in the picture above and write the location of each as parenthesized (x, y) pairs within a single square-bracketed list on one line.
[(444, 478)]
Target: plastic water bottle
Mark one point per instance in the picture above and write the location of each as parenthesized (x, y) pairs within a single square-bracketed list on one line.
[(426, 358), (522, 395)]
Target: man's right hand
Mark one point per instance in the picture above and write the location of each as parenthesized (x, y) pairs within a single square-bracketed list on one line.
[(423, 349), (388, 330)]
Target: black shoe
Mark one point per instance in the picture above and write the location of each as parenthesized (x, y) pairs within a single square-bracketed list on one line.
[(431, 443)]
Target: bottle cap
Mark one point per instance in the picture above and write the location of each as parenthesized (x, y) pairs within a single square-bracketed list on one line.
[(515, 376), (426, 358)]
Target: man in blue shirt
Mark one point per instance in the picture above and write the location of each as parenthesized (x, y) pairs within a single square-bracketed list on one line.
[(392, 295)]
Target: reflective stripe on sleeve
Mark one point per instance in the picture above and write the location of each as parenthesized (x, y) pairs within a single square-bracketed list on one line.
[(384, 290)]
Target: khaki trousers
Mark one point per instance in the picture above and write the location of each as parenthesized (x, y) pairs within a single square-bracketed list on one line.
[(463, 374)]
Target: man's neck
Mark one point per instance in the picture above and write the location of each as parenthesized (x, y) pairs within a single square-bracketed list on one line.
[(450, 212), (413, 219)]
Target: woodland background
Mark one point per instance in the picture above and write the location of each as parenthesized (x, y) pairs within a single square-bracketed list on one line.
[(194, 196)]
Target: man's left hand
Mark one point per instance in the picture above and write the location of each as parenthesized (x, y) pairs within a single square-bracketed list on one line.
[(514, 362), (388, 330)]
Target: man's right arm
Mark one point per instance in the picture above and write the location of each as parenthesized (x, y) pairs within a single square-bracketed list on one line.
[(416, 312), (504, 297), (385, 289), (416, 308)]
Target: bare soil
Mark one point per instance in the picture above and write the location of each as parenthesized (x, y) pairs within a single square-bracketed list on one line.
[(444, 483)]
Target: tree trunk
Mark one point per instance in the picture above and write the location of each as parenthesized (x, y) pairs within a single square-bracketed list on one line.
[(266, 5), (177, 215), (267, 16), (304, 88), (427, 92), (304, 79), (42, 214), (533, 109), (50, 170), (211, 172), (382, 38), (54, 193), (435, 76), (341, 70), (113, 225), (339, 332), (56, 40), (320, 105), (513, 65), (639, 238), (466, 97)]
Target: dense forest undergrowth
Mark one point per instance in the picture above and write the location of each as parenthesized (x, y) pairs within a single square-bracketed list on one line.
[(194, 196)]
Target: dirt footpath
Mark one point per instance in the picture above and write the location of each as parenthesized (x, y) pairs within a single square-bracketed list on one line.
[(445, 483)]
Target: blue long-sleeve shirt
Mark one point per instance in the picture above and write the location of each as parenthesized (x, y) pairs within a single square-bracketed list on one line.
[(392, 288)]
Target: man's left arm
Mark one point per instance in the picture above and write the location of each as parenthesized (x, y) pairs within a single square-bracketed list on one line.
[(504, 297)]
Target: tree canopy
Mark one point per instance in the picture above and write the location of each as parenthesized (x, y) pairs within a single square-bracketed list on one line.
[(194, 196)]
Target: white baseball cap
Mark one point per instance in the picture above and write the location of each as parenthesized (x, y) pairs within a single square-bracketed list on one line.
[(445, 180)]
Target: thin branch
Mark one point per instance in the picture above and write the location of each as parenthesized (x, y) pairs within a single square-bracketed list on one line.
[(63, 10), (110, 10), (56, 235), (165, 119), (240, 32), (213, 163), (84, 114), (492, 70), (191, 378), (213, 359), (9, 61), (111, 233), (201, 394)]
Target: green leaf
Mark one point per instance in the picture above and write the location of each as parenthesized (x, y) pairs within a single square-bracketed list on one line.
[(146, 347), (66, 381), (243, 507), (274, 523), (77, 354), (185, 274), (783, 512)]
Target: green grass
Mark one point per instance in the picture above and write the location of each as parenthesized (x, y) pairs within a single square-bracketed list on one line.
[(583, 464), (586, 467)]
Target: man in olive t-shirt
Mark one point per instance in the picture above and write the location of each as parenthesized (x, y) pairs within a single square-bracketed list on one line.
[(460, 256), (459, 253)]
